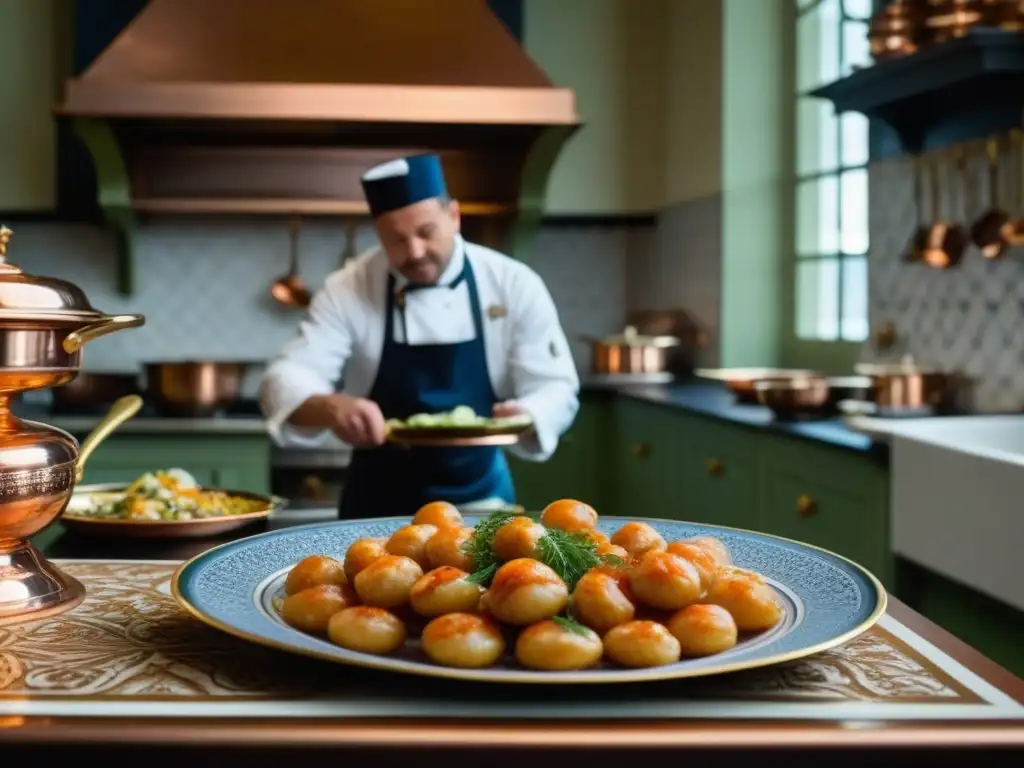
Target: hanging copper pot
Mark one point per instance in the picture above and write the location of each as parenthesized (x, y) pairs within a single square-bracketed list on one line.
[(896, 30), (949, 19)]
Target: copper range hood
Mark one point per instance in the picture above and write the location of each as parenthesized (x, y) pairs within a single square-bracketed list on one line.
[(274, 107)]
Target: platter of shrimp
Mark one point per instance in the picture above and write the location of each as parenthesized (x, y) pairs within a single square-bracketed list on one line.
[(564, 595)]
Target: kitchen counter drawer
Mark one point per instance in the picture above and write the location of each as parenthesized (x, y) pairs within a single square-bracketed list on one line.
[(827, 499), (719, 473)]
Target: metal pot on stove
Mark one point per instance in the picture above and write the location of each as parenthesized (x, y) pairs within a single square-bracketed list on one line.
[(632, 353)]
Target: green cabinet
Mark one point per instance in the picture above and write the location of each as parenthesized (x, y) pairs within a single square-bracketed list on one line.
[(239, 462), (645, 463), (719, 472), (574, 471), (632, 458), (827, 498)]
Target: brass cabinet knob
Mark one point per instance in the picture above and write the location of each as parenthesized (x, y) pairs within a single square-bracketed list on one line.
[(312, 486), (715, 467), (641, 450), (806, 506)]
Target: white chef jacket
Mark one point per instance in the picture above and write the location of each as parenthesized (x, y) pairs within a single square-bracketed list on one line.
[(342, 338)]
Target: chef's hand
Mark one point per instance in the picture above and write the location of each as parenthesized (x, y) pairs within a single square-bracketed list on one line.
[(508, 408), (356, 420)]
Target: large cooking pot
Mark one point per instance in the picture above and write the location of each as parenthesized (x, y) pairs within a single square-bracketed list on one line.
[(195, 388), (906, 385), (44, 323), (631, 353)]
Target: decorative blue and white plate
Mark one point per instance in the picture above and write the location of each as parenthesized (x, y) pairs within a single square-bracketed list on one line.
[(828, 600)]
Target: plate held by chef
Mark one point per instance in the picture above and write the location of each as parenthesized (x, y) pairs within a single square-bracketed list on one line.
[(422, 323)]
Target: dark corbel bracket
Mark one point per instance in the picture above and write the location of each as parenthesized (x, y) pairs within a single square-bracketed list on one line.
[(113, 194)]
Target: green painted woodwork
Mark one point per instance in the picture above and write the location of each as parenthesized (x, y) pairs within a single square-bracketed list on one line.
[(988, 625), (665, 462), (574, 471), (846, 498), (113, 190), (238, 462), (533, 184)]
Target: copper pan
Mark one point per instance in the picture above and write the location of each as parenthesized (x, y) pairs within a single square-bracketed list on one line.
[(905, 385), (741, 381), (193, 388)]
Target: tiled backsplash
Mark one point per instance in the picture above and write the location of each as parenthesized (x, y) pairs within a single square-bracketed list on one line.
[(968, 319), (204, 286), (678, 265)]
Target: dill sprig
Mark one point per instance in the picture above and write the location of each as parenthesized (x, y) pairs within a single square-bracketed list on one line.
[(569, 623), (480, 546), (570, 555)]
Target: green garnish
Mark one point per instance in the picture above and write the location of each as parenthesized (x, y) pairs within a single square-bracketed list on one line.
[(479, 546), (570, 555), (570, 624), (483, 576)]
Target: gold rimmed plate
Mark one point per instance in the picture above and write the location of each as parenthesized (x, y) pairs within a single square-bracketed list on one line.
[(828, 600), (73, 520)]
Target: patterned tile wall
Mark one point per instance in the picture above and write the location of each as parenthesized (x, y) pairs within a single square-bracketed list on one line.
[(968, 319), (678, 265), (204, 286)]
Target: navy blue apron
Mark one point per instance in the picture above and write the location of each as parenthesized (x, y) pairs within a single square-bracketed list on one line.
[(429, 378)]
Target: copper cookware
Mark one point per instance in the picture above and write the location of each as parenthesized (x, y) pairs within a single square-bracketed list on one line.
[(895, 31), (950, 19), (906, 385), (947, 239), (194, 388), (43, 325), (289, 289), (741, 381), (631, 353), (992, 230), (792, 398)]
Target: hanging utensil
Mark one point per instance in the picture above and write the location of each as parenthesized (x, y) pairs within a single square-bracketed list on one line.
[(918, 243), (989, 231), (289, 289), (947, 240)]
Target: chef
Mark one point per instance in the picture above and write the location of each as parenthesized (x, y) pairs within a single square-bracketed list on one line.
[(422, 324)]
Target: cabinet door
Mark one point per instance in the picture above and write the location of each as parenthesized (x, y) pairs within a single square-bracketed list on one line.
[(720, 474), (572, 472), (238, 462), (831, 499), (645, 461)]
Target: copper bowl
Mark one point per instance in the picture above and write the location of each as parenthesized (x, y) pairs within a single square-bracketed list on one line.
[(793, 398), (741, 381)]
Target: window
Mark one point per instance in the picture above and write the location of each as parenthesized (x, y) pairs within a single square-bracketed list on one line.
[(831, 175)]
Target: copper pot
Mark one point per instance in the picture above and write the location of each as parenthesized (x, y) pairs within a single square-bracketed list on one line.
[(631, 353), (192, 387), (44, 323), (905, 385)]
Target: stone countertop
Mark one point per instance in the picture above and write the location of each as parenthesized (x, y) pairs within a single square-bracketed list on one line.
[(703, 398), (715, 401)]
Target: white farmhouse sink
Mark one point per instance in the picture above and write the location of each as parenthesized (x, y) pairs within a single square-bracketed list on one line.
[(957, 486)]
